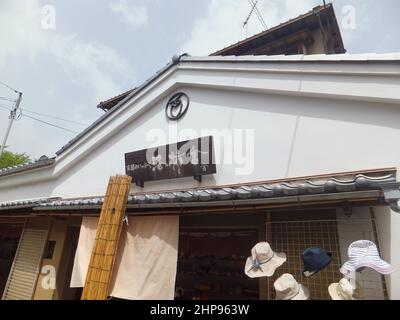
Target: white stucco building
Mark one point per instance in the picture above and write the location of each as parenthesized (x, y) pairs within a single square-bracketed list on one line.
[(306, 155)]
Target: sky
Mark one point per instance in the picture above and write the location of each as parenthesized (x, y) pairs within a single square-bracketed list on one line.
[(66, 56)]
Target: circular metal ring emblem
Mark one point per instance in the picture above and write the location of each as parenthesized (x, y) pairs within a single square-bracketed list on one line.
[(177, 106)]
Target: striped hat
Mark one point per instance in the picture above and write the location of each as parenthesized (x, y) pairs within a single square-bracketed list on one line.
[(364, 253)]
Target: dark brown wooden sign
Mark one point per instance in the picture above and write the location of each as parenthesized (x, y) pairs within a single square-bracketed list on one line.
[(191, 158)]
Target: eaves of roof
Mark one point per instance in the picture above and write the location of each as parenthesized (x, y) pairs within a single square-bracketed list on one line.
[(108, 104), (324, 189), (327, 9), (26, 167)]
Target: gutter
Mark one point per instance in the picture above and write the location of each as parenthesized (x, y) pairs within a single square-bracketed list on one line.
[(300, 200)]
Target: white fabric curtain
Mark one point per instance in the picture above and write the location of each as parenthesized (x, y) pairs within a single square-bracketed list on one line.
[(83, 253), (146, 263)]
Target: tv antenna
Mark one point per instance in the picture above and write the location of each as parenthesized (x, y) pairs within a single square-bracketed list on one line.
[(254, 10)]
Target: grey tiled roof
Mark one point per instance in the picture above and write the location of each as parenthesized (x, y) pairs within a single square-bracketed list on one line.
[(23, 204), (240, 192), (29, 166)]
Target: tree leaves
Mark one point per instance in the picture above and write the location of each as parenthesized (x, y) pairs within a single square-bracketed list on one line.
[(9, 159)]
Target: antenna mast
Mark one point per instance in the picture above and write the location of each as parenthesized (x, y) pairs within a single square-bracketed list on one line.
[(255, 10)]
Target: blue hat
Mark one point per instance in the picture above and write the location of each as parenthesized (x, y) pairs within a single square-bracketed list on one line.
[(315, 259)]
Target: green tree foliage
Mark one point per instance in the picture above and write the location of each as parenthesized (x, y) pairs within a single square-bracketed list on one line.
[(9, 159)]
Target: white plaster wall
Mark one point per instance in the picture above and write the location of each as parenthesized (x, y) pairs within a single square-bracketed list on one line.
[(388, 224), (294, 136), (383, 219), (27, 186), (395, 254)]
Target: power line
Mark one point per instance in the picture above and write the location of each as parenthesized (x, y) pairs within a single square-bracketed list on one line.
[(42, 121), (54, 117), (9, 87), (5, 107), (6, 99), (50, 124), (46, 115)]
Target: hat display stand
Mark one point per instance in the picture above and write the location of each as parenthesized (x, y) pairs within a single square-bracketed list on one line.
[(362, 254)]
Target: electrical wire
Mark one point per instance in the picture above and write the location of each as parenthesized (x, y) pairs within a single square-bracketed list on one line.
[(7, 86), (50, 124), (5, 107), (54, 117), (46, 115), (17, 116), (6, 99), (20, 115)]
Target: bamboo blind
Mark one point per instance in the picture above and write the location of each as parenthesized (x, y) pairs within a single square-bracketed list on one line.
[(107, 237)]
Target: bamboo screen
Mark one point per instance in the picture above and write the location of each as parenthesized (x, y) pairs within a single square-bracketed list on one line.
[(107, 237)]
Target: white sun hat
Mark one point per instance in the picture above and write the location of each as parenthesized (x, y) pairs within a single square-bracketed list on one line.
[(364, 253), (287, 288), (263, 261), (344, 291)]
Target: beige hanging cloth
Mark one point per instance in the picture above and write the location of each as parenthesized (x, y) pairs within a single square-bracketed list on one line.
[(83, 253), (145, 268)]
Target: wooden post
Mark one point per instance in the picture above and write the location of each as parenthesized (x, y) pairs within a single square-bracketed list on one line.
[(97, 284)]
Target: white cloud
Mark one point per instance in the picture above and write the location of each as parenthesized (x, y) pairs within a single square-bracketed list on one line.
[(92, 65), (223, 24), (20, 30), (132, 14)]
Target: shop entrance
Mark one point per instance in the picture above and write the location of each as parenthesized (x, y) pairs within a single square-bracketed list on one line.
[(213, 251), (9, 239), (67, 263), (212, 255)]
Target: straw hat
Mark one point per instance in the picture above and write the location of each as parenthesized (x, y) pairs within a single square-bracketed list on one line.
[(344, 291), (263, 261), (287, 288), (364, 253)]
